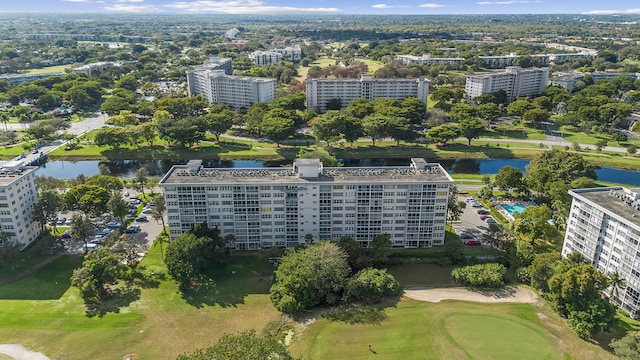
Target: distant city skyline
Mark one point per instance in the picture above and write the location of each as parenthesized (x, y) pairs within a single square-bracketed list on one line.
[(327, 7)]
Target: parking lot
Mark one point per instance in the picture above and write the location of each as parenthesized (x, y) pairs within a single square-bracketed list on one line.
[(148, 230), (471, 225)]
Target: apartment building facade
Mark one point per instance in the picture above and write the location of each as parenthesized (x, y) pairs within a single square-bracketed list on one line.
[(17, 79), (281, 206), (239, 92), (321, 91), (94, 69), (18, 197), (289, 53), (428, 60), (515, 81), (604, 226)]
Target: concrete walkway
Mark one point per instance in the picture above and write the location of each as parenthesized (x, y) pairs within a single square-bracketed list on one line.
[(18, 352)]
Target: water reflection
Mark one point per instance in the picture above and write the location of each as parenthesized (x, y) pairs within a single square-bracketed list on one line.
[(128, 168)]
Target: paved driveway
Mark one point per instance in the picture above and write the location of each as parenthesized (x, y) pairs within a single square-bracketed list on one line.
[(470, 220)]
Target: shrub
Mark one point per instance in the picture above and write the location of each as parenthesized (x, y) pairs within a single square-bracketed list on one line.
[(371, 285), (489, 275)]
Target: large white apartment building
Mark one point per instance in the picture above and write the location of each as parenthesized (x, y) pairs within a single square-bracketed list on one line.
[(428, 60), (18, 197), (290, 53), (279, 206), (17, 79), (604, 226), (321, 91), (239, 92), (95, 68), (515, 81)]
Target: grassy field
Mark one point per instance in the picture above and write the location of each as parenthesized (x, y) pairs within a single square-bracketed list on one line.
[(45, 314), (50, 69), (446, 330)]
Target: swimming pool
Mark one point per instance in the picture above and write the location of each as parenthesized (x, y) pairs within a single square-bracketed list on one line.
[(513, 208)]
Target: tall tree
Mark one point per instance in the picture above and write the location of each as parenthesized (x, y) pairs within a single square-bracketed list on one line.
[(375, 127), (471, 128), (308, 277), (277, 128), (81, 228), (90, 199), (118, 206), (219, 120), (443, 133), (141, 178), (327, 126), (157, 213)]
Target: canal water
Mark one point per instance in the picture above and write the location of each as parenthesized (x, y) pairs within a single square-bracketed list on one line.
[(127, 168)]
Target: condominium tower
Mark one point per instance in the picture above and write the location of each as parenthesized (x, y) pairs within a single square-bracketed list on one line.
[(515, 81), (321, 91), (604, 226), (239, 92), (281, 206), (18, 197)]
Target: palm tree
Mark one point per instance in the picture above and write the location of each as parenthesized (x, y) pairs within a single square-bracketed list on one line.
[(616, 282)]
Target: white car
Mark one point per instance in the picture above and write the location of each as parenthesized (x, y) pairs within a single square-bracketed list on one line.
[(147, 210)]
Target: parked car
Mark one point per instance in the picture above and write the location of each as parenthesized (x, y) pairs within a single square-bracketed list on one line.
[(66, 235), (490, 220), (90, 246), (475, 204), (113, 224), (126, 193), (472, 242), (69, 221), (132, 229), (485, 217), (482, 212), (147, 210), (466, 235), (61, 221), (142, 219)]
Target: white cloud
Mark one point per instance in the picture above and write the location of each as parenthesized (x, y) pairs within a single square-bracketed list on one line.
[(611, 12), (76, 1), (385, 6), (244, 7), (132, 8), (507, 2), (431, 5), (129, 1)]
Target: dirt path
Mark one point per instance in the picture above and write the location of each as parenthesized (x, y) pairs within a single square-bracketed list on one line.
[(511, 294), (18, 352), (28, 271)]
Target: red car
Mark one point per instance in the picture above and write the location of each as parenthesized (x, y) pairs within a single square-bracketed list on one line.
[(472, 243), (484, 217)]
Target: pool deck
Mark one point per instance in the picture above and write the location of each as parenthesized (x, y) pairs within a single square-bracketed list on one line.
[(505, 213)]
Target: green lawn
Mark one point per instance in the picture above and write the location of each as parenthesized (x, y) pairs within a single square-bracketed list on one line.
[(447, 330), (45, 314), (50, 69)]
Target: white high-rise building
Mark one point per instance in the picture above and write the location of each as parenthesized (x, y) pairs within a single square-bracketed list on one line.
[(604, 226), (239, 92), (428, 60), (280, 206), (515, 81), (265, 57), (321, 91), (290, 53), (18, 197)]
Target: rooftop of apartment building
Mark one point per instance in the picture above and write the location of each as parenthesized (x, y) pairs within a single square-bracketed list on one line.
[(306, 171), (366, 77), (13, 170), (625, 203)]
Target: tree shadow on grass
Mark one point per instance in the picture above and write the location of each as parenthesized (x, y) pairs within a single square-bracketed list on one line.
[(122, 297), (209, 293), (359, 313)]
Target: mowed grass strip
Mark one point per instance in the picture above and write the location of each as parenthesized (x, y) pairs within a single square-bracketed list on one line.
[(447, 330)]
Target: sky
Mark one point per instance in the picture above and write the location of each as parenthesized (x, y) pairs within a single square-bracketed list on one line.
[(326, 7)]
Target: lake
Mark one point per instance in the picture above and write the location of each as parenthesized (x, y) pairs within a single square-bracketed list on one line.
[(127, 168)]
